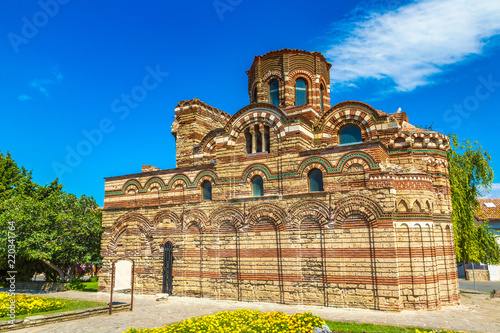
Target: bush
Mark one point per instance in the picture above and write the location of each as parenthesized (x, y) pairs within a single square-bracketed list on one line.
[(76, 284), (94, 279), (27, 305), (243, 320)]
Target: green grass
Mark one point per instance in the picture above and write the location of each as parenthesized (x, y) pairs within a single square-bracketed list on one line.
[(69, 305), (343, 327), (91, 286)]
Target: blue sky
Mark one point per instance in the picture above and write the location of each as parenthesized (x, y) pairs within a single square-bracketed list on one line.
[(69, 69)]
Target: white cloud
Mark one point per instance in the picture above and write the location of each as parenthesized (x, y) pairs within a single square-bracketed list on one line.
[(494, 193), (23, 98), (42, 84), (410, 44)]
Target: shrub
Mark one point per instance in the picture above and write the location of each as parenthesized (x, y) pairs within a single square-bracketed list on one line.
[(76, 284), (27, 304), (94, 279), (243, 320)]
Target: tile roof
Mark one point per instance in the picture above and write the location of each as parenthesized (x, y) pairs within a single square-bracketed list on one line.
[(489, 213)]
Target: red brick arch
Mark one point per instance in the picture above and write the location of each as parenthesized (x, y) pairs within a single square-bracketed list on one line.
[(227, 214), (267, 211), (349, 112), (306, 209), (273, 74), (178, 179), (131, 187), (358, 205), (265, 114), (348, 116), (130, 221), (256, 170), (313, 162), (168, 239), (163, 214), (355, 160), (195, 216)]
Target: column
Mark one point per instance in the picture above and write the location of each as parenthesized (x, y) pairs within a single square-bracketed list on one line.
[(254, 141), (264, 139)]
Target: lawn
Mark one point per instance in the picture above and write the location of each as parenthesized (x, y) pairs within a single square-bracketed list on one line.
[(244, 320), (91, 286), (343, 327), (69, 305)]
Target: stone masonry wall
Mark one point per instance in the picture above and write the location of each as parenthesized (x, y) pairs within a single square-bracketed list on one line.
[(378, 236)]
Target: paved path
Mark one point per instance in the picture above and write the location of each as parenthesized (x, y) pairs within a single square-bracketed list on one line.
[(477, 313), (485, 286)]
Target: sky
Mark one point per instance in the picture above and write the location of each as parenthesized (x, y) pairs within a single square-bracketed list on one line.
[(88, 88)]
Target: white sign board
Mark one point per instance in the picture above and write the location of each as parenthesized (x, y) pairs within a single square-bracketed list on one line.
[(123, 275)]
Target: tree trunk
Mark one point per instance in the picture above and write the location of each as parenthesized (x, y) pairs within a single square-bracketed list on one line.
[(54, 267), (72, 272)]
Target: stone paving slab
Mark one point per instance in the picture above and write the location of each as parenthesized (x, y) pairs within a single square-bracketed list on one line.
[(477, 313)]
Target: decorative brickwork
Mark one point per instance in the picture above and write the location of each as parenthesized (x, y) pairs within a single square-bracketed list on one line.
[(378, 236)]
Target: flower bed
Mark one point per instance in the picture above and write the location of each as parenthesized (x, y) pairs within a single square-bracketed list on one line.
[(27, 305), (243, 321)]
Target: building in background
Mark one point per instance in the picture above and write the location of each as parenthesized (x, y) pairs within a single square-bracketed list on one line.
[(290, 200), (490, 212)]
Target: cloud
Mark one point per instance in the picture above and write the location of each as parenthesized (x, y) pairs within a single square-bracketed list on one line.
[(23, 98), (42, 84), (494, 193), (410, 44)]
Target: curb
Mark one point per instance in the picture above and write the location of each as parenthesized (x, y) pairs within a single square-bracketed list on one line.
[(41, 320)]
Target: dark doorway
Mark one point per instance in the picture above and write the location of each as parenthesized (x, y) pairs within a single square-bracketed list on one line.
[(168, 260)]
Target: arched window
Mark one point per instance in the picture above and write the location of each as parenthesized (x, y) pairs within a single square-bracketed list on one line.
[(321, 94), (300, 92), (257, 186), (257, 139), (248, 140), (350, 134), (206, 190), (274, 93), (315, 180), (255, 95)]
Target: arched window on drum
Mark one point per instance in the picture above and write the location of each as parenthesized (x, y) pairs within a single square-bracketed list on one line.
[(274, 93), (300, 92), (350, 134)]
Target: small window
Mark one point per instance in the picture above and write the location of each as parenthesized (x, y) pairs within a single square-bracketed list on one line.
[(248, 140), (300, 92), (257, 186), (321, 98), (274, 93), (255, 99), (206, 190), (350, 134), (315, 180)]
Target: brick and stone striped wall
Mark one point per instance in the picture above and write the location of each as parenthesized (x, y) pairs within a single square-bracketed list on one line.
[(378, 236)]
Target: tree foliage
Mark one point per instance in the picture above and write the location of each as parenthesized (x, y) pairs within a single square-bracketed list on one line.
[(14, 180), (469, 172), (54, 230)]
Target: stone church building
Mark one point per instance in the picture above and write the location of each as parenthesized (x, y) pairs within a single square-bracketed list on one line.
[(290, 200)]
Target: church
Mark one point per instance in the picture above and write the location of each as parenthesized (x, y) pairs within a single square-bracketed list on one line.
[(290, 200)]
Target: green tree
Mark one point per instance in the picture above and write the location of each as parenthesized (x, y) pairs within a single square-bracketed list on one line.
[(14, 180), (54, 230), (469, 172), (59, 231)]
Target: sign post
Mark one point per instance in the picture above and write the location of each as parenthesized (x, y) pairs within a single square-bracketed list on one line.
[(122, 278)]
